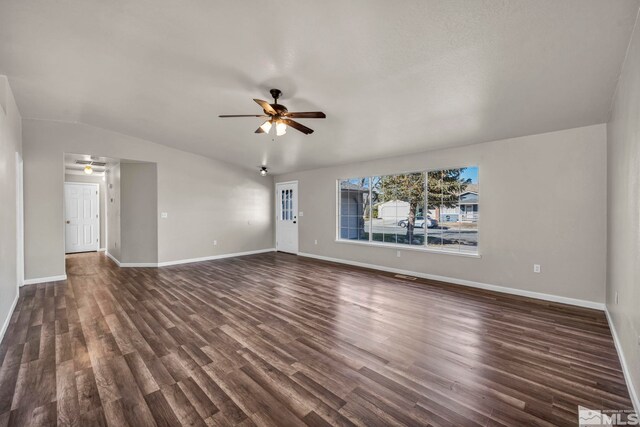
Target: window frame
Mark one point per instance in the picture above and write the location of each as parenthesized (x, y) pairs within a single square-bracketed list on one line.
[(398, 246)]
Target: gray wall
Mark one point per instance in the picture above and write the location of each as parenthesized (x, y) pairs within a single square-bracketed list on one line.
[(91, 179), (206, 199), (138, 212), (10, 143), (623, 273), (113, 211), (543, 201)]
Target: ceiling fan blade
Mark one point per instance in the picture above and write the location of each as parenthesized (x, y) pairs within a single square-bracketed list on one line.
[(265, 106), (242, 115), (307, 115), (298, 126)]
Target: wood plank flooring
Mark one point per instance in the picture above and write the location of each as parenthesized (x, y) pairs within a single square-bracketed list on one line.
[(275, 339)]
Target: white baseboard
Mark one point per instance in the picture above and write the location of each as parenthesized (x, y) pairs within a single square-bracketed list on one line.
[(187, 261), (5, 324), (212, 257), (44, 279), (114, 259), (138, 264), (102, 249), (472, 284), (623, 362)]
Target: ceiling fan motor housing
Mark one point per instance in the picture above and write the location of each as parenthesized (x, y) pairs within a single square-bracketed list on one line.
[(275, 94)]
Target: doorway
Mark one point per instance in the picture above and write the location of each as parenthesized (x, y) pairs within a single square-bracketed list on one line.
[(287, 217), (82, 217)]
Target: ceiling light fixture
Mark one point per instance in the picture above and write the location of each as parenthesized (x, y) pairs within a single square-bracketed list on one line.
[(264, 171), (281, 128), (88, 170), (266, 126)]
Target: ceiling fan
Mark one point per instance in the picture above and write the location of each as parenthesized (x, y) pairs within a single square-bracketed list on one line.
[(277, 115)]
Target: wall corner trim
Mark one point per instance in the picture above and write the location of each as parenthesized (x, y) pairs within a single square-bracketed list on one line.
[(44, 279), (503, 289), (5, 324), (623, 362)]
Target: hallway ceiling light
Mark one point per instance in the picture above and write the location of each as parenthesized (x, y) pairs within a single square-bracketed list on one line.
[(264, 171), (88, 170)]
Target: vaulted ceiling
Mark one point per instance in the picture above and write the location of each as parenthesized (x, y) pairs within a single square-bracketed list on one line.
[(393, 77)]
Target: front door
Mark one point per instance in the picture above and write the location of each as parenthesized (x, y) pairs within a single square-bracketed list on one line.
[(82, 222), (287, 217)]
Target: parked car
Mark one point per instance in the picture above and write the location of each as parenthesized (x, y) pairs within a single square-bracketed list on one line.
[(419, 222)]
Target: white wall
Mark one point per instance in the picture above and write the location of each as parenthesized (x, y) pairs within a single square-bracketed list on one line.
[(113, 211), (138, 212), (543, 201), (92, 179), (10, 143), (206, 199), (623, 273)]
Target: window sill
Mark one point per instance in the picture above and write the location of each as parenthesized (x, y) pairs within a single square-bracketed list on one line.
[(409, 248)]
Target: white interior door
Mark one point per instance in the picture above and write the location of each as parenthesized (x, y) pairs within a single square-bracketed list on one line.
[(82, 221), (287, 217)]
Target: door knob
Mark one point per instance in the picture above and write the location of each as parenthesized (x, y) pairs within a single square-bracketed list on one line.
[(68, 222)]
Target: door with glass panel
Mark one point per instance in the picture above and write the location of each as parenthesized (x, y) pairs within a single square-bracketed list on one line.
[(287, 217)]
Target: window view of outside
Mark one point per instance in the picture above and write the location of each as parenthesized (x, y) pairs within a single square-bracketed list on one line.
[(441, 213), (453, 203), (354, 209), (398, 209)]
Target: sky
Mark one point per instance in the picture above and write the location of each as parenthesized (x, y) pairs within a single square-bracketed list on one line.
[(471, 173)]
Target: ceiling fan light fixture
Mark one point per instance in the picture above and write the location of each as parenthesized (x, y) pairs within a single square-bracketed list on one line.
[(88, 170), (264, 171), (281, 128), (266, 126)]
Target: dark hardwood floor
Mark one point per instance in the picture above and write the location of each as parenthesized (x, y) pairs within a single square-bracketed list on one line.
[(275, 339)]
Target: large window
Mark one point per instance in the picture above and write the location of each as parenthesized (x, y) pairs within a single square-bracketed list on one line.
[(354, 208), (437, 210)]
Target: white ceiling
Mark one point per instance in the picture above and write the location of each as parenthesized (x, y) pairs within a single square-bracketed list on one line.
[(393, 77)]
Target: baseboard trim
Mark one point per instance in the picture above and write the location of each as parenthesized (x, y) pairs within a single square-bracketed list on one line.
[(138, 264), (5, 324), (44, 279), (469, 283), (213, 257), (187, 261), (114, 259), (623, 362), (102, 249)]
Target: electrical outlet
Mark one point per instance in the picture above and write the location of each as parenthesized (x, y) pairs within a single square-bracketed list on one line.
[(301, 213), (616, 298), (215, 243), (398, 254), (536, 268), (164, 215), (315, 242)]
